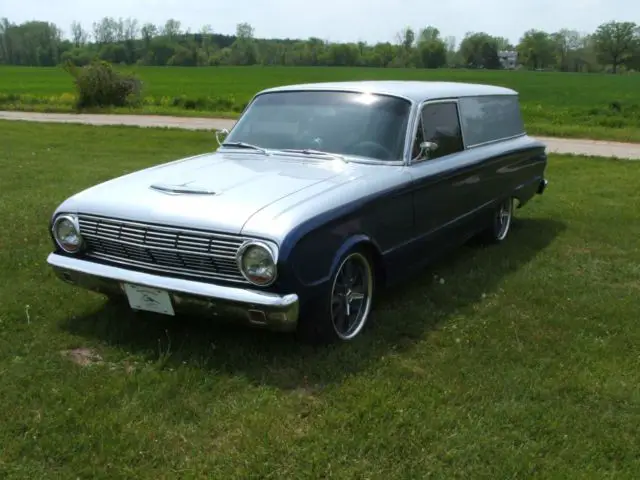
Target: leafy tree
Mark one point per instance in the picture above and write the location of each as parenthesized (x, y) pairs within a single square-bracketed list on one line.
[(343, 54), (126, 41), (407, 38), (161, 50), (503, 44), (536, 49), (6, 50), (432, 50), (105, 31), (244, 31), (183, 57), (567, 44), (79, 35), (429, 34), (171, 29), (113, 53), (616, 42), (405, 54), (130, 29), (453, 58), (480, 50), (30, 43), (244, 51), (76, 56), (634, 60), (148, 31)]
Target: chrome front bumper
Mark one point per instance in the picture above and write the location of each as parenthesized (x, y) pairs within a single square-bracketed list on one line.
[(269, 310)]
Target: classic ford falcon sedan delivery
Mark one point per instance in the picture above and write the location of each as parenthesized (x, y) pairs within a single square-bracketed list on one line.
[(319, 195)]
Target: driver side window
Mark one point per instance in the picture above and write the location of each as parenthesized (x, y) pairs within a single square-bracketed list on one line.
[(439, 124)]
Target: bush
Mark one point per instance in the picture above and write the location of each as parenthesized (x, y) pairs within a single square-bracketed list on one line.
[(99, 85)]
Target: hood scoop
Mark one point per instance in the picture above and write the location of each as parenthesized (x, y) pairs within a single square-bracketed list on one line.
[(181, 189)]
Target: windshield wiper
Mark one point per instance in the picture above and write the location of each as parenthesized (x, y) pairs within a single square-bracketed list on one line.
[(320, 153), (245, 145)]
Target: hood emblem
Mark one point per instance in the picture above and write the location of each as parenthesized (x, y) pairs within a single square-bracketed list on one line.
[(181, 189)]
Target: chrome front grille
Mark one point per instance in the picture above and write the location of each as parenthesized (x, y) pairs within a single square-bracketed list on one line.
[(164, 249)]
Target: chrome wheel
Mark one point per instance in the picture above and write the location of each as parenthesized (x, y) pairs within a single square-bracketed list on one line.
[(503, 219), (351, 296)]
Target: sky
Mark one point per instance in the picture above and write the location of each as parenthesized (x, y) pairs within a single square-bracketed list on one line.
[(338, 20)]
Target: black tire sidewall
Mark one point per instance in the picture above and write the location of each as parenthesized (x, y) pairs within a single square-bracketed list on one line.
[(315, 325), (490, 235)]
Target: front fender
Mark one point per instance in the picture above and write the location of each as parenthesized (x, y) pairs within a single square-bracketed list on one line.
[(313, 260)]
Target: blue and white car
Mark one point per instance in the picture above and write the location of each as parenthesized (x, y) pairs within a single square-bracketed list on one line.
[(317, 197)]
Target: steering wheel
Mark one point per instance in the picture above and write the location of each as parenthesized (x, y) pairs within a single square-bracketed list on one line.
[(370, 147)]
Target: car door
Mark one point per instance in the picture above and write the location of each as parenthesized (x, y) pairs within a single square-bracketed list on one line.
[(445, 185)]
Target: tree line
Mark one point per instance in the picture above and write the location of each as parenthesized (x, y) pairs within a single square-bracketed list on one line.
[(614, 47)]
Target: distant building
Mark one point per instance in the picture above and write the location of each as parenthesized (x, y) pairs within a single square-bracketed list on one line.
[(508, 59)]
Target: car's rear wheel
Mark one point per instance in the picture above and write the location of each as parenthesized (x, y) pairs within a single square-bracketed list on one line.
[(343, 314), (501, 221)]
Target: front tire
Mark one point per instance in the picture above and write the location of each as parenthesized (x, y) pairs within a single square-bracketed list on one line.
[(344, 312)]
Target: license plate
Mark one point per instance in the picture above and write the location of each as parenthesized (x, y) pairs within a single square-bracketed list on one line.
[(148, 299)]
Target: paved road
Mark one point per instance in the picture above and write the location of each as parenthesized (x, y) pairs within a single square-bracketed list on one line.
[(629, 151)]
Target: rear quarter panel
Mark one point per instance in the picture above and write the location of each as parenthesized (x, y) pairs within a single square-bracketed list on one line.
[(509, 168)]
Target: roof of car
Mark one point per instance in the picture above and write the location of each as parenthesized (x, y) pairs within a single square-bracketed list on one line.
[(416, 91)]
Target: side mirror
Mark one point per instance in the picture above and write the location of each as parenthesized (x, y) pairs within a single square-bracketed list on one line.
[(425, 149), (221, 135), (428, 147)]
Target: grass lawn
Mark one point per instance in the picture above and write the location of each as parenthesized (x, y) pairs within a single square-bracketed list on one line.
[(557, 104), (522, 362)]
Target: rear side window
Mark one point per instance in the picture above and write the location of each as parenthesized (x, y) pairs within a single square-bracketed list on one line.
[(440, 124), (490, 118)]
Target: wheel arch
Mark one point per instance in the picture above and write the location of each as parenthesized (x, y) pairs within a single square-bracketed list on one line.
[(370, 248)]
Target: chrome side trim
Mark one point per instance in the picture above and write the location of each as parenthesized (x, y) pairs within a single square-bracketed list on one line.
[(497, 140), (180, 189)]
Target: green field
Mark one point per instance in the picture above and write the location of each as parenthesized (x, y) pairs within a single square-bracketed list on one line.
[(556, 104), (522, 362)]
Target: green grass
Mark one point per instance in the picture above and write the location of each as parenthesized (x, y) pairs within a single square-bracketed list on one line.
[(522, 364), (556, 104)]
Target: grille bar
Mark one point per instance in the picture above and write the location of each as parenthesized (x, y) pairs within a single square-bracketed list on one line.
[(165, 249)]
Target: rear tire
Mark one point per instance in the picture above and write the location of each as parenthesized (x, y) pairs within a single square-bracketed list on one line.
[(344, 311), (501, 222)]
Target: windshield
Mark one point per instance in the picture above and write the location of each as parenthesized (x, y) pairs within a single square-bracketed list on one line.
[(342, 123)]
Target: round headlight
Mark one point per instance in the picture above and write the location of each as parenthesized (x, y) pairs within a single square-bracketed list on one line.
[(257, 264), (67, 234)]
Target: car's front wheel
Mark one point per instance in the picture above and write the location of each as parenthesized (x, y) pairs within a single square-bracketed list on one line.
[(343, 314)]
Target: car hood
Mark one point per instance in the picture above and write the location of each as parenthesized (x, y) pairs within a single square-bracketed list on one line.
[(218, 191)]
